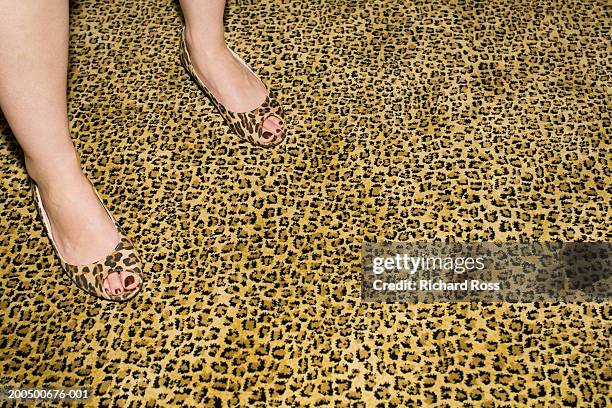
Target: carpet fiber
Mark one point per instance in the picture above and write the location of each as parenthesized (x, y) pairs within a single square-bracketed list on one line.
[(409, 121)]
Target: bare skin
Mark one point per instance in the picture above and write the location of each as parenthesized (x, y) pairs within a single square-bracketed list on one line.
[(33, 68), (232, 84)]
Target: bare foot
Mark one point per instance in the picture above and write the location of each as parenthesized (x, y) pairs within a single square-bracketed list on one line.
[(230, 82), (81, 228)]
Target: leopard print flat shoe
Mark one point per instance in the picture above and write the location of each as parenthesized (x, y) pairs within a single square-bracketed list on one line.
[(91, 277), (247, 125)]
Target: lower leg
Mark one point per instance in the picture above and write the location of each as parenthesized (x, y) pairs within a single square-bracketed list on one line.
[(204, 24), (229, 81), (33, 71), (33, 66)]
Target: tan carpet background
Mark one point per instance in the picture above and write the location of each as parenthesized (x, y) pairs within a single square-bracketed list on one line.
[(445, 120)]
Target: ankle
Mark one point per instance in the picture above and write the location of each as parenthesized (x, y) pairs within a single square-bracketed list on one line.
[(54, 171), (203, 44)]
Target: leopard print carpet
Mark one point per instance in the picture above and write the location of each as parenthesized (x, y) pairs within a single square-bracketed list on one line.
[(409, 121)]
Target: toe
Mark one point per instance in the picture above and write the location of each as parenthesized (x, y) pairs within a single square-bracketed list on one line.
[(114, 283), (267, 136), (130, 280), (274, 121), (106, 287), (272, 129)]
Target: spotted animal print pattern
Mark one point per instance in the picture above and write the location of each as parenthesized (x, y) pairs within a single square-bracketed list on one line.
[(91, 277), (416, 120), (248, 125)]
